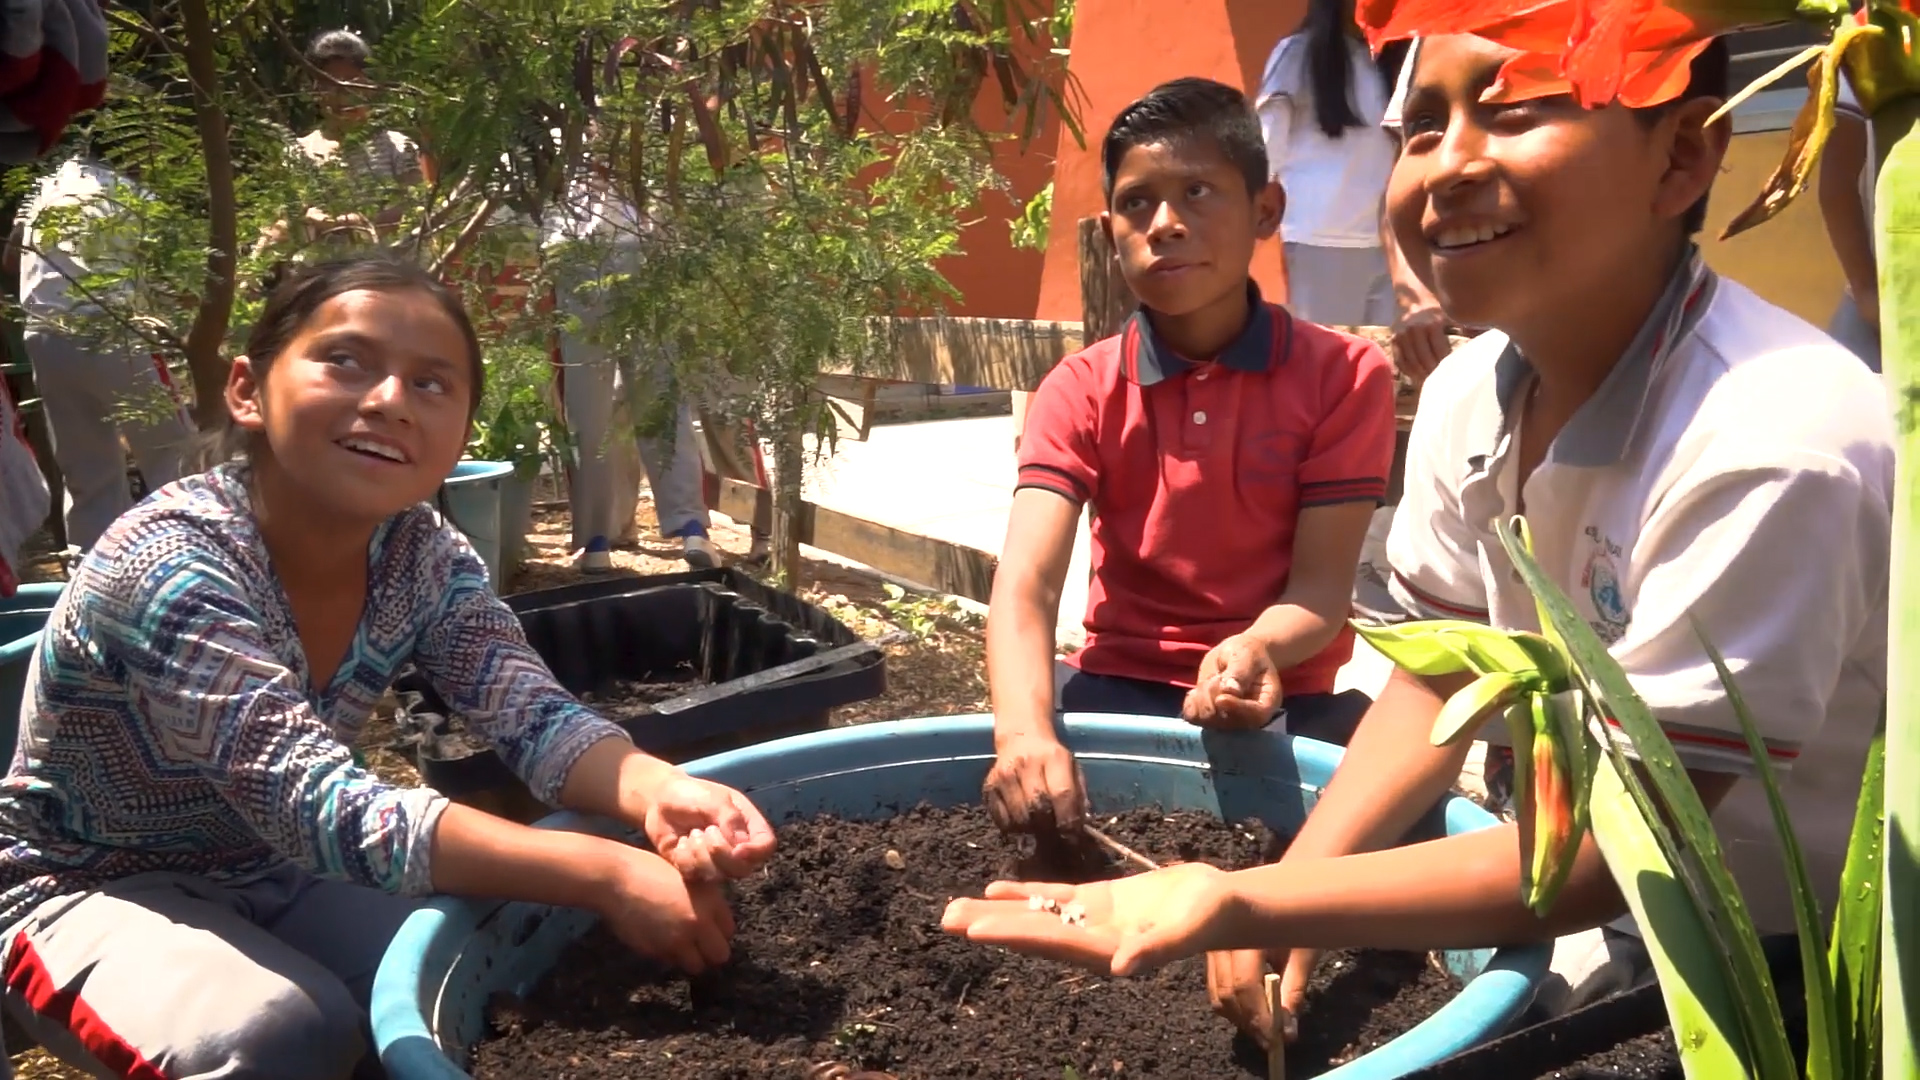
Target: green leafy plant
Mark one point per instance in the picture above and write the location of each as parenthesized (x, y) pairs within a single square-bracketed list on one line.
[(922, 614), (801, 168), (1658, 841), (1029, 230)]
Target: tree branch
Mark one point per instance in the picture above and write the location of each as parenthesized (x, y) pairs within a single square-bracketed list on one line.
[(209, 332), (468, 234)]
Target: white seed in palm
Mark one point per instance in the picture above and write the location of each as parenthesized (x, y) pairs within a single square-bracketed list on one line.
[(1073, 914)]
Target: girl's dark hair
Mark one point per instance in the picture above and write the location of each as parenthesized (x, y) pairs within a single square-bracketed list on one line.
[(1330, 73), (339, 45), (296, 293)]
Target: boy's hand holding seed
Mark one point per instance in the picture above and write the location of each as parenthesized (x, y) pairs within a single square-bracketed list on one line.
[(1125, 926), (1236, 688)]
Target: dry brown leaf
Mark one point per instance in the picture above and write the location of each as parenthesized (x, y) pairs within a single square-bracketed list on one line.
[(1808, 137)]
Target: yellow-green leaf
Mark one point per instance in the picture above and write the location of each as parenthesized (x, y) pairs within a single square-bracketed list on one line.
[(1473, 704)]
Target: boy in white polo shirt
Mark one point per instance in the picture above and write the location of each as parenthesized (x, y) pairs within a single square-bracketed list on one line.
[(1680, 447)]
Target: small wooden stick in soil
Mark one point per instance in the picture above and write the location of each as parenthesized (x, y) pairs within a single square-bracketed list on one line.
[(1277, 1037), (1120, 849)]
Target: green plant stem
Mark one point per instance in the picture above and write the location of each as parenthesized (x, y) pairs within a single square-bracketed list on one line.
[(1897, 249)]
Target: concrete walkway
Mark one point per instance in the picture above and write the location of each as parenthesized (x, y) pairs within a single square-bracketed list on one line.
[(953, 480)]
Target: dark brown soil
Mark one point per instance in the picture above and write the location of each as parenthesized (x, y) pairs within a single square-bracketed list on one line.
[(1649, 1057), (625, 698), (839, 959)]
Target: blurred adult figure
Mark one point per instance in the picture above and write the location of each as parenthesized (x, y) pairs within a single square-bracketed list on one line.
[(1321, 103)]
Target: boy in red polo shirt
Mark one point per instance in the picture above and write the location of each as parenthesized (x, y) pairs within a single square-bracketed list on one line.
[(1233, 456)]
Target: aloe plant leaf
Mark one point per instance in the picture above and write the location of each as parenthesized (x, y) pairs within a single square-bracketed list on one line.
[(1824, 1047), (1896, 231), (1702, 865), (1473, 704), (1688, 964), (1854, 954), (1415, 647)]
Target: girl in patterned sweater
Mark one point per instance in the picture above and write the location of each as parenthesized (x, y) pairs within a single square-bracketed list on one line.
[(196, 879)]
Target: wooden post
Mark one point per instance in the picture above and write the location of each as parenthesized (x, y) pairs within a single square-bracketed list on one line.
[(789, 458), (1105, 300)]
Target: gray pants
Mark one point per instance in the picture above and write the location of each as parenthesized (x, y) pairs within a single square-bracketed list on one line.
[(603, 397), (1339, 286), (174, 976), (81, 388), (1851, 329)]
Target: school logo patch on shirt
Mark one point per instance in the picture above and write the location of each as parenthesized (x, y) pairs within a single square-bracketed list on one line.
[(1602, 582)]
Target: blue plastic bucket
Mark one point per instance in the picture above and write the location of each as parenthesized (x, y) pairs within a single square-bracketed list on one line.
[(471, 497), (22, 616), (431, 992)]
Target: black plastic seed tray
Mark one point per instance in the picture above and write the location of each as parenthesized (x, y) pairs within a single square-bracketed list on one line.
[(1558, 1046), (761, 664)]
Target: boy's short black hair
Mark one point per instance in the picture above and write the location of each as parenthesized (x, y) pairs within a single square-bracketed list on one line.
[(332, 45), (1708, 77), (1186, 109)]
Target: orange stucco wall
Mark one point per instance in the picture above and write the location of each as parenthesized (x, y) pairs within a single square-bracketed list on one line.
[(995, 279), (1122, 49)]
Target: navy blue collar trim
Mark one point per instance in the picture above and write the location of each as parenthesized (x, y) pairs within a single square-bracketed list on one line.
[(1262, 344)]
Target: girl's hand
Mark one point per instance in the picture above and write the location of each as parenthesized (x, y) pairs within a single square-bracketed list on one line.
[(708, 831), (1128, 926), (659, 914)]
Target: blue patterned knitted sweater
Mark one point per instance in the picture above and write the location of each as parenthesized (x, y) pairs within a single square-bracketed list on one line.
[(169, 722)]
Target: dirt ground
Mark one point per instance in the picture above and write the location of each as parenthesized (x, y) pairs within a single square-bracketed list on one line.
[(932, 638)]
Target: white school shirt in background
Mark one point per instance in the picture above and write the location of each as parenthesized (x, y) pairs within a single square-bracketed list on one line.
[(591, 208), (1333, 186), (47, 267), (1390, 118), (384, 156), (1736, 467)]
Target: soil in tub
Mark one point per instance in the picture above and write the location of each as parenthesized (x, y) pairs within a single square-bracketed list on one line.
[(840, 968)]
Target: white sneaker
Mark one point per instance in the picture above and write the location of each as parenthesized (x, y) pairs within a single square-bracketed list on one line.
[(700, 553)]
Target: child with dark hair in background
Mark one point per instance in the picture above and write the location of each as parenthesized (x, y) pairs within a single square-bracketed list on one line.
[(1232, 454), (1692, 460), (184, 821), (1321, 102)]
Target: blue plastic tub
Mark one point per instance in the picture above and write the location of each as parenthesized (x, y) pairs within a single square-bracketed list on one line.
[(432, 988), (22, 616), (471, 497)]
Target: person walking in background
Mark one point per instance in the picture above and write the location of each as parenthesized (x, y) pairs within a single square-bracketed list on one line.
[(1320, 104), (607, 388), (94, 386), (1846, 205), (376, 165)]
